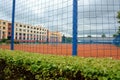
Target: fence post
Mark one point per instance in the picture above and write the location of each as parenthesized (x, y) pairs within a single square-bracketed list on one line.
[(13, 17), (75, 26)]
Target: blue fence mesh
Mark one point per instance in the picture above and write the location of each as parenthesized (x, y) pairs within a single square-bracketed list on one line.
[(41, 25), (5, 20), (49, 27), (96, 27)]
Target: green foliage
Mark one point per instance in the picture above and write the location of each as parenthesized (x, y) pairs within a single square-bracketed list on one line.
[(18, 65), (6, 41), (115, 35), (118, 32), (103, 35), (89, 36), (3, 40), (118, 16), (66, 39)]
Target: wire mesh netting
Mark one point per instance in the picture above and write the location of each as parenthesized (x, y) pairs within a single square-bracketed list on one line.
[(41, 24), (45, 26), (97, 27), (5, 20)]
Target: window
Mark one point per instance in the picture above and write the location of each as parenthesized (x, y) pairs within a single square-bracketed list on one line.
[(0, 27), (20, 29), (23, 38), (27, 30), (28, 27), (3, 32), (16, 29), (20, 38), (9, 28), (9, 33), (24, 30), (24, 26), (4, 23), (20, 34), (16, 34), (16, 24), (3, 27), (20, 25)]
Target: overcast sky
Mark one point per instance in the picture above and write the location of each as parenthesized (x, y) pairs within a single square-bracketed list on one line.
[(95, 17)]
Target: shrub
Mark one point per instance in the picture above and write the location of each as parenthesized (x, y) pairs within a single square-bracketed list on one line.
[(18, 65), (3, 40)]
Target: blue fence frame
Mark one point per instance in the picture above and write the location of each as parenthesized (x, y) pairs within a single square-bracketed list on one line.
[(13, 17), (75, 26)]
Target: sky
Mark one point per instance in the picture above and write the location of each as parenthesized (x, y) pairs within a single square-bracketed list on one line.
[(95, 17)]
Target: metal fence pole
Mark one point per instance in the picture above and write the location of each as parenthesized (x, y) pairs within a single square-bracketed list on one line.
[(13, 17), (75, 25)]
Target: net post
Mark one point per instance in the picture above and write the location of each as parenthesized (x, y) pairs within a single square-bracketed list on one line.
[(75, 26), (13, 17)]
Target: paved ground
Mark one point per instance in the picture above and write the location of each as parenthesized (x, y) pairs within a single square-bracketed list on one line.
[(84, 50)]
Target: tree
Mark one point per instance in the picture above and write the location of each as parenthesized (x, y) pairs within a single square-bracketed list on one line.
[(116, 41), (118, 32), (114, 35), (118, 16), (4, 40), (103, 35), (66, 39), (63, 39), (69, 39), (89, 36)]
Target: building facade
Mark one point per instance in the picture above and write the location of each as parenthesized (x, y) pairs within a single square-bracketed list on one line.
[(54, 37), (3, 29), (28, 33)]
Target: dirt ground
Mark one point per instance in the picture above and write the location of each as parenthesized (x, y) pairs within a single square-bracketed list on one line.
[(84, 50)]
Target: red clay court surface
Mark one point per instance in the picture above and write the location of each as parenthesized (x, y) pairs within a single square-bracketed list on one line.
[(84, 50)]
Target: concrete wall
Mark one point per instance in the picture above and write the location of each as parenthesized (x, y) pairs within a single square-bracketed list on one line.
[(96, 39)]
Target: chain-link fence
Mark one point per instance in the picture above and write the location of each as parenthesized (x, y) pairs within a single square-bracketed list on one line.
[(87, 28)]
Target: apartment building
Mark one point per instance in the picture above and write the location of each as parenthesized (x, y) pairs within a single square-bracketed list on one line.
[(28, 33), (54, 37), (3, 29), (0, 34)]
